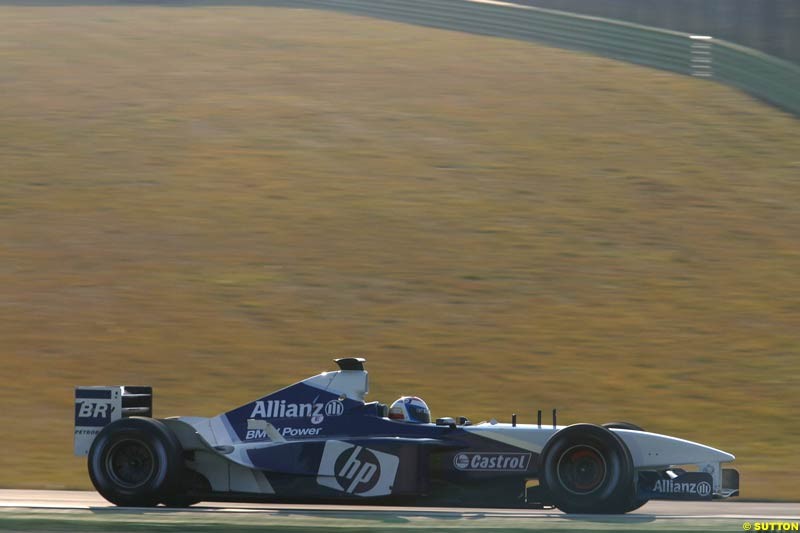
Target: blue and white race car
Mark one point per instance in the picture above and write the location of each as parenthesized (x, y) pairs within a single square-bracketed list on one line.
[(318, 440)]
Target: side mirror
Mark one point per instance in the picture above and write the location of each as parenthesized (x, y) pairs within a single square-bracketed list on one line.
[(446, 421)]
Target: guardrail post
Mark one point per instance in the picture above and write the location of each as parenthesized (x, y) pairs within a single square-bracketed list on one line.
[(702, 57)]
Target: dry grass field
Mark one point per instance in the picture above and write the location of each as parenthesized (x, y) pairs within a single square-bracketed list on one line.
[(217, 201)]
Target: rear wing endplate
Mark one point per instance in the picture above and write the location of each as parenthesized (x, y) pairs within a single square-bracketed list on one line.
[(96, 407)]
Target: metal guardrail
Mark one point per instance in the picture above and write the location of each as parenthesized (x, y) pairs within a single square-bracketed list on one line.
[(769, 26), (768, 78)]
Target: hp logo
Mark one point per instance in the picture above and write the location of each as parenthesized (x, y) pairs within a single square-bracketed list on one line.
[(357, 470)]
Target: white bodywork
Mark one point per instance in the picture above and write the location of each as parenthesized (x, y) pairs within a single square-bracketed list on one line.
[(650, 451), (352, 384)]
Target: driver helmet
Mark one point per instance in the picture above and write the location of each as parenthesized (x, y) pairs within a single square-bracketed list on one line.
[(410, 409)]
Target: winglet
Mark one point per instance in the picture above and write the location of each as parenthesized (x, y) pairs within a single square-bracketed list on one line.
[(351, 363), (266, 427)]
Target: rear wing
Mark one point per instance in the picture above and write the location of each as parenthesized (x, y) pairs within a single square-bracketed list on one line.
[(96, 407)]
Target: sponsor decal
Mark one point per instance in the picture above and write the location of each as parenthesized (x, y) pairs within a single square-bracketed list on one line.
[(253, 434), (93, 410), (300, 432), (93, 413), (685, 486), (316, 411), (334, 408), (94, 431), (491, 462), (95, 407), (670, 486), (357, 470)]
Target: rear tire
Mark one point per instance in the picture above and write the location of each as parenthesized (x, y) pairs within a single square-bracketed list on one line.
[(587, 469), (135, 462), (177, 501), (188, 491)]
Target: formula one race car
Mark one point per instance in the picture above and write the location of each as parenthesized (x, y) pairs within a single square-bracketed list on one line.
[(318, 440)]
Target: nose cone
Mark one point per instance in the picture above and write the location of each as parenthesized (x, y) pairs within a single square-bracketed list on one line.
[(654, 450)]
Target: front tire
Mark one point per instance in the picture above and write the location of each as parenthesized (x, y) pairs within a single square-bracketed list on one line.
[(587, 469), (135, 462), (637, 502), (623, 425)]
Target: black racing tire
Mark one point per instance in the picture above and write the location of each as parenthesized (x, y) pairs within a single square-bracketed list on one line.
[(135, 462), (190, 490), (622, 425), (637, 502), (587, 469), (179, 501)]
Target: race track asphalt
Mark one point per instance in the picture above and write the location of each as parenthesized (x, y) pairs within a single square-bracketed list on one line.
[(52, 510)]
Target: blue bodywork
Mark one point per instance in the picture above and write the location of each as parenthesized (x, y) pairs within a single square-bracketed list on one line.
[(342, 448)]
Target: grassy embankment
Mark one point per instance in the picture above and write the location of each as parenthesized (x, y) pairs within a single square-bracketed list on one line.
[(216, 201)]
